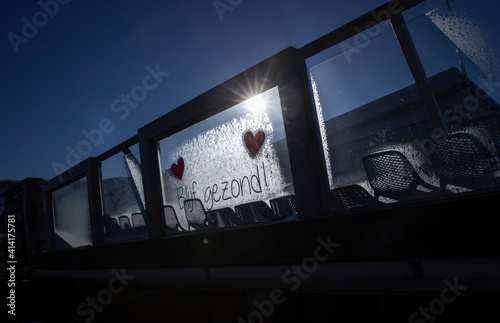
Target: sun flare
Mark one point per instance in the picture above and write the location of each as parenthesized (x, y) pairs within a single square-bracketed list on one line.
[(256, 104)]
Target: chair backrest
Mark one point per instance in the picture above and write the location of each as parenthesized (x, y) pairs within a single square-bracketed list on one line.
[(171, 220), (462, 160), (486, 126), (124, 222), (138, 220), (391, 174), (254, 212), (352, 196), (110, 225), (222, 218), (284, 206), (195, 214)]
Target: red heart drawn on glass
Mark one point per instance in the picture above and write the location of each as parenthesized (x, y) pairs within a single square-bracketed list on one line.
[(178, 169), (254, 143)]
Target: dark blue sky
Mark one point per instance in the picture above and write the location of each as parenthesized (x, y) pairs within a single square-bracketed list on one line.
[(64, 78), (69, 67)]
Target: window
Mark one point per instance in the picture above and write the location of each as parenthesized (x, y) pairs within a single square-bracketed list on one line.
[(366, 100), (226, 164), (381, 138), (459, 48), (123, 197), (71, 216)]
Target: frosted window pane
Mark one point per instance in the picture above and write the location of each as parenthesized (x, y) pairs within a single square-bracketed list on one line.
[(123, 197), (238, 156), (71, 216), (351, 94)]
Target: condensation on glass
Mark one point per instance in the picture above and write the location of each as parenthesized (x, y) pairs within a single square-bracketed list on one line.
[(123, 197), (380, 143), (71, 216), (233, 167)]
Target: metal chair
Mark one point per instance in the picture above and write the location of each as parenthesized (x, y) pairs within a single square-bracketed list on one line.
[(487, 127), (222, 218), (124, 222), (195, 214), (462, 160), (489, 124), (351, 196), (171, 221), (391, 175), (284, 206), (138, 220), (110, 225), (254, 212)]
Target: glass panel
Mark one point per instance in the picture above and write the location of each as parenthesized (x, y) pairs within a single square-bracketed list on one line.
[(459, 47), (71, 216), (380, 144), (123, 197), (364, 106), (227, 163)]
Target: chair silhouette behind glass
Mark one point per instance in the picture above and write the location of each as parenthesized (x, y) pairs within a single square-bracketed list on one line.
[(489, 128), (391, 175), (138, 220), (284, 206), (124, 222), (462, 160), (351, 196), (171, 221), (254, 212), (195, 214), (111, 225), (224, 217)]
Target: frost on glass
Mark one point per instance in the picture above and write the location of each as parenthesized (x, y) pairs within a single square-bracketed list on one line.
[(123, 197), (71, 216), (322, 129), (462, 36), (236, 157)]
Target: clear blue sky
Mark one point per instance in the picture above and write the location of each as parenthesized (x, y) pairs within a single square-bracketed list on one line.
[(64, 72), (64, 78)]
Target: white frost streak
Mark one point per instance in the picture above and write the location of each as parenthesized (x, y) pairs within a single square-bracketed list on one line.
[(467, 36)]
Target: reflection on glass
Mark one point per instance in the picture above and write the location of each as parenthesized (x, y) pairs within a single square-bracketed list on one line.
[(238, 156), (123, 197), (71, 216)]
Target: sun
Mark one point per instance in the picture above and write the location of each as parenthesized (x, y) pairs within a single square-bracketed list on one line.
[(256, 104)]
